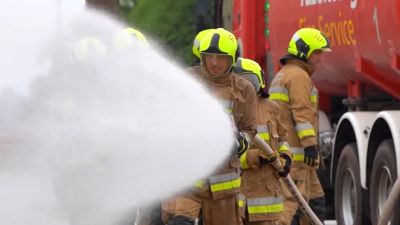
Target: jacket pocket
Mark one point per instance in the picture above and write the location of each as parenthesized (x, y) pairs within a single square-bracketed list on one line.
[(274, 136)]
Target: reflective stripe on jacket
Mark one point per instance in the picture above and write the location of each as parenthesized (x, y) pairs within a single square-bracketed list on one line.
[(265, 205)]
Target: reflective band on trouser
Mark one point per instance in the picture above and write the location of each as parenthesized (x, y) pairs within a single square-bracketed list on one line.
[(241, 198), (243, 160), (225, 182), (279, 93), (228, 105), (283, 146), (305, 130), (298, 154), (263, 132), (314, 95), (265, 205)]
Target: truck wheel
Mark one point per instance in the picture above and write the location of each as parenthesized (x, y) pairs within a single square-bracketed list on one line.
[(383, 177), (348, 191)]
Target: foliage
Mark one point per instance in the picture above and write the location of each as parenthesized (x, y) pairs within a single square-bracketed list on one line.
[(171, 22)]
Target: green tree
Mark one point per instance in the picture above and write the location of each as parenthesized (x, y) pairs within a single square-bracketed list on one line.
[(171, 22)]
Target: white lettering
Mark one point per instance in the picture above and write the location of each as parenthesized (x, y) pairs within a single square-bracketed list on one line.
[(306, 3), (311, 2), (353, 4)]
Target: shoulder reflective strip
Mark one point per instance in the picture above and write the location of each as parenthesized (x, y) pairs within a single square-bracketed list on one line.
[(279, 93), (241, 200), (263, 132), (226, 185), (283, 146), (243, 160), (199, 184), (314, 95), (265, 205), (228, 105), (305, 130), (224, 177), (298, 154)]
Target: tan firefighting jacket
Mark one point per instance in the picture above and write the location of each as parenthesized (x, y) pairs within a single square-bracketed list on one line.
[(294, 91), (260, 183), (239, 99)]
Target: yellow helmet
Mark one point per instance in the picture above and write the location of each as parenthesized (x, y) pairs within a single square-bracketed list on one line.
[(196, 42), (251, 71), (124, 39), (305, 41), (219, 41), (88, 47)]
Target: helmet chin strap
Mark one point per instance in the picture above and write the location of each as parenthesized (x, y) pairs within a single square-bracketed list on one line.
[(229, 70)]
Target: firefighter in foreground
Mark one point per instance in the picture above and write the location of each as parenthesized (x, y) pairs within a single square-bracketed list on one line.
[(219, 195), (294, 91), (260, 181)]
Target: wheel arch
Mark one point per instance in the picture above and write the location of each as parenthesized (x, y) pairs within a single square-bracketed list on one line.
[(352, 127), (386, 125)]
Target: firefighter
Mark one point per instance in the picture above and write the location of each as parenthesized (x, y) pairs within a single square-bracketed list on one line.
[(294, 91), (219, 195), (125, 38), (260, 180), (87, 48)]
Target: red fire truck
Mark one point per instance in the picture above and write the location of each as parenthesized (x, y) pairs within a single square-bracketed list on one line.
[(359, 86)]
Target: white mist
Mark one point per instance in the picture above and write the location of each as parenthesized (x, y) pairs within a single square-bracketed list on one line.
[(86, 142)]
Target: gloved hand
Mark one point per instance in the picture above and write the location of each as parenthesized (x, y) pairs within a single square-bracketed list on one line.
[(287, 165), (242, 143), (267, 160), (311, 155)]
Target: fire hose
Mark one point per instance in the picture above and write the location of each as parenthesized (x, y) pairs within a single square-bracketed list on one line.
[(304, 207), (392, 199)]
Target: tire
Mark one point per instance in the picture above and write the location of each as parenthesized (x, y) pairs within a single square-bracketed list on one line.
[(383, 177), (348, 191)]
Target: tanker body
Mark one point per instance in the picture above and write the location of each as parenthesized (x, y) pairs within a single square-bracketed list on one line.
[(359, 89)]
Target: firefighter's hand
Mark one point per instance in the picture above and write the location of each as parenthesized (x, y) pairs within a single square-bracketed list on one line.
[(311, 156), (242, 143), (264, 160), (286, 165)]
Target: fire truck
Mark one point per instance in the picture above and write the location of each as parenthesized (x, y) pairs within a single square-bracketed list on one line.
[(359, 89)]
